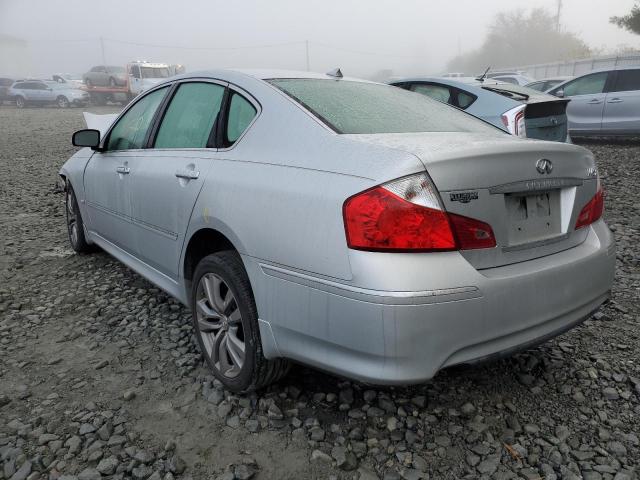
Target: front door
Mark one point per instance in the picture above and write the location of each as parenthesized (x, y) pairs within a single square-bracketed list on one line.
[(586, 107), (107, 178), (167, 178)]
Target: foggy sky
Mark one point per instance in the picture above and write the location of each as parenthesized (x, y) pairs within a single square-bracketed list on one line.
[(360, 36)]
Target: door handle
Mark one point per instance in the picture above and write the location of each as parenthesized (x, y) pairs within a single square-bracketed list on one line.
[(123, 170), (615, 100), (595, 101), (188, 174)]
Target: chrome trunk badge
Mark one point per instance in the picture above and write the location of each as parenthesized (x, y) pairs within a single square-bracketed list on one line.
[(544, 166)]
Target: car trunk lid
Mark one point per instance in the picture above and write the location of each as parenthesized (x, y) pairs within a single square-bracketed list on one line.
[(507, 183)]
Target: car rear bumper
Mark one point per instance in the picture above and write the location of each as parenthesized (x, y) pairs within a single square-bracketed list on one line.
[(453, 315)]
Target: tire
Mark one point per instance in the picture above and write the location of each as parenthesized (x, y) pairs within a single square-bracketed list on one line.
[(112, 82), (75, 225), (221, 285), (62, 101), (20, 102), (88, 83)]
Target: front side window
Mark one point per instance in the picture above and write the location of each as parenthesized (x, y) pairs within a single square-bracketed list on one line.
[(241, 113), (627, 80), (589, 85), (539, 86), (190, 117), (360, 107), (131, 129)]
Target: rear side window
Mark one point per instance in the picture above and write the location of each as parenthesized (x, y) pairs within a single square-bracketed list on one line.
[(539, 86), (131, 129), (360, 107), (190, 117), (437, 92), (627, 80), (587, 85), (241, 113)]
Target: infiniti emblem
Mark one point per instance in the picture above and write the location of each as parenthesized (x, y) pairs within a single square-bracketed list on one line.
[(544, 166)]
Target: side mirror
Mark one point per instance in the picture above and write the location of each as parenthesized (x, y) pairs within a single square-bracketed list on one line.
[(86, 138), (560, 93)]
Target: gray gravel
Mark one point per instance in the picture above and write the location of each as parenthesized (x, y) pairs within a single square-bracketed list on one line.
[(100, 377)]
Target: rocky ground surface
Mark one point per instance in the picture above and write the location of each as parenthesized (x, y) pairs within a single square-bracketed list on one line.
[(100, 377)]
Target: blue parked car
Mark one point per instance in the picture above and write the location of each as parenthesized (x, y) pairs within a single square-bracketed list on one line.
[(521, 111)]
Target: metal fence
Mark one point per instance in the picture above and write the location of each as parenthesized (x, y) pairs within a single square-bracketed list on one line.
[(577, 67)]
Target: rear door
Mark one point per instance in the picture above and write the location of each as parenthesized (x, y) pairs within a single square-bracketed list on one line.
[(107, 177), (622, 104), (168, 176), (586, 108)]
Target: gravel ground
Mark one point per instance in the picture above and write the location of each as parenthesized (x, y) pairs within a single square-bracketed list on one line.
[(100, 376)]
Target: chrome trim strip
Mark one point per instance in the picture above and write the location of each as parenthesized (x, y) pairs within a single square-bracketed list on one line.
[(373, 296), (538, 243), (536, 185)]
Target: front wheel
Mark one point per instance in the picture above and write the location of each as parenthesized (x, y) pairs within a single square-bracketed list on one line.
[(20, 103), (63, 102), (225, 321), (75, 225)]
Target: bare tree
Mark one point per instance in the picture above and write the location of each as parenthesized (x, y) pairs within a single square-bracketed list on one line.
[(518, 38), (629, 22)]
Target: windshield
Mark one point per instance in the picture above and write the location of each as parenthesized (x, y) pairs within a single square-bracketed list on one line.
[(359, 107), (154, 72)]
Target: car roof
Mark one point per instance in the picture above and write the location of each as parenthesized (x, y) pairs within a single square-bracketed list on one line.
[(262, 74)]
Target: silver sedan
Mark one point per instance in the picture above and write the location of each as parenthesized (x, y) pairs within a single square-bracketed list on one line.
[(356, 227)]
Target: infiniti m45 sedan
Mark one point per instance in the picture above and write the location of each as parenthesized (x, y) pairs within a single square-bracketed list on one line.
[(356, 227)]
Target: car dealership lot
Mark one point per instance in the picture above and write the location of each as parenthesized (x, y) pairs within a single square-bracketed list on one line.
[(100, 374)]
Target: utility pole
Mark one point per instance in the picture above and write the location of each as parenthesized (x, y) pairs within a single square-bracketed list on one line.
[(104, 62), (306, 45), (558, 15)]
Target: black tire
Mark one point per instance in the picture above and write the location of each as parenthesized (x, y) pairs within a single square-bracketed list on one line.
[(112, 82), (20, 102), (256, 371), (88, 83), (63, 102), (75, 225)]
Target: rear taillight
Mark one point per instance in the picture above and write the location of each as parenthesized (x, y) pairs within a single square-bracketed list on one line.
[(406, 215), (592, 211), (514, 121)]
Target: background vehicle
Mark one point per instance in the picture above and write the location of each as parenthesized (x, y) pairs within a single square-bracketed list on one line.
[(284, 250), (606, 102), (5, 83), (72, 79), (43, 92), (138, 77), (103, 76), (517, 110), (547, 84), (513, 79)]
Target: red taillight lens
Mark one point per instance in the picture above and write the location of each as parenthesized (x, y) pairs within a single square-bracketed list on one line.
[(592, 211), (405, 215)]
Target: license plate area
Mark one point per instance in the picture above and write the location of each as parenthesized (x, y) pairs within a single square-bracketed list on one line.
[(533, 216)]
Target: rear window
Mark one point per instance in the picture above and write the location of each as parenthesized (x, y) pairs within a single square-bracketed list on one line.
[(627, 80), (359, 107)]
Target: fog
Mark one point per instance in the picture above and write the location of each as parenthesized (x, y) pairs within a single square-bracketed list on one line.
[(360, 36)]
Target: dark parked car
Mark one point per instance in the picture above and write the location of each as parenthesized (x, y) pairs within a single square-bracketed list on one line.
[(105, 76), (606, 102), (5, 83)]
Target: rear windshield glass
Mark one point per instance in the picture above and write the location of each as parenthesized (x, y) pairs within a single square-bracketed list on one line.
[(359, 107)]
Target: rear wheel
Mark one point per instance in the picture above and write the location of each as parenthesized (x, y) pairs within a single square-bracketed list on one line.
[(75, 225), (225, 320), (112, 82), (63, 102), (88, 83), (20, 103)]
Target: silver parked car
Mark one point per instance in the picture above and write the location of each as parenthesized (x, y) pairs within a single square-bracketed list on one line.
[(43, 92), (606, 102), (353, 226), (105, 76), (518, 110)]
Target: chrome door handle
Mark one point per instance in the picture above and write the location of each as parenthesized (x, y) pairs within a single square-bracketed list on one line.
[(595, 101), (188, 174), (123, 170), (615, 100)]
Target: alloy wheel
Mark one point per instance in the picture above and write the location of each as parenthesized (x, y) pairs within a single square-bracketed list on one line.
[(72, 218), (219, 324), (63, 102)]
